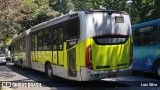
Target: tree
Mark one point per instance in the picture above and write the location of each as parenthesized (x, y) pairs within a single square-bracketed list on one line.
[(19, 15), (10, 11), (62, 6), (145, 10), (141, 10), (42, 12)]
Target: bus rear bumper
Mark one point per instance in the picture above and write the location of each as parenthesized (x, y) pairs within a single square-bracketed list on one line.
[(87, 74)]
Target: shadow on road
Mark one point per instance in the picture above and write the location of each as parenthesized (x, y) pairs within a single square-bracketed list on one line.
[(60, 82), (144, 74)]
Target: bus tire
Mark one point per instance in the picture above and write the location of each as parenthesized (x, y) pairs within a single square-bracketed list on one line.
[(48, 70), (157, 69)]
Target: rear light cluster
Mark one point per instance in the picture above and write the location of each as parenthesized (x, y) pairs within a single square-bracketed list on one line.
[(89, 57), (131, 54)]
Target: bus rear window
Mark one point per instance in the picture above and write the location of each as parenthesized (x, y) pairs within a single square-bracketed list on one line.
[(110, 40)]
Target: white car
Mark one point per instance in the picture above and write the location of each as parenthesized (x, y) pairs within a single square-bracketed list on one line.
[(2, 59)]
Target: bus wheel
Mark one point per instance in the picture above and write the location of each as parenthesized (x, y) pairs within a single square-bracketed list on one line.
[(48, 70), (157, 69)]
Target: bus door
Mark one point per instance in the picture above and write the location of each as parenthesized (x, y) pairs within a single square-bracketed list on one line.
[(55, 47), (34, 50), (72, 37), (58, 50)]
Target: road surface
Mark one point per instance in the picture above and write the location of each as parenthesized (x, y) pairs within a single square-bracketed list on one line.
[(21, 77)]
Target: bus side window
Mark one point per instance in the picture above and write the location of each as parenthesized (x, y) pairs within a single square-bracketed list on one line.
[(55, 37), (60, 41), (146, 36), (47, 39), (40, 42), (58, 38), (33, 43)]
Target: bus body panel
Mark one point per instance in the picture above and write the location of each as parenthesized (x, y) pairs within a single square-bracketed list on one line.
[(110, 57), (145, 57), (61, 58), (40, 58), (83, 46), (112, 51), (106, 54), (106, 24), (65, 56)]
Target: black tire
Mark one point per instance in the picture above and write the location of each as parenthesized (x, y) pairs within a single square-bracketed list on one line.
[(157, 69), (4, 63), (48, 70)]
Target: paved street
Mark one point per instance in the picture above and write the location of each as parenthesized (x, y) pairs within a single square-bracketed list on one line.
[(11, 73)]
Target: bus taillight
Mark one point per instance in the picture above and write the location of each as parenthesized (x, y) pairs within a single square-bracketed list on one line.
[(89, 57), (131, 54)]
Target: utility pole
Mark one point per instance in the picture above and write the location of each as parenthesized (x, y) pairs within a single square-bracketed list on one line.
[(129, 4)]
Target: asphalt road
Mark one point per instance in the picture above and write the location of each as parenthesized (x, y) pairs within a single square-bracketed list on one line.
[(10, 73)]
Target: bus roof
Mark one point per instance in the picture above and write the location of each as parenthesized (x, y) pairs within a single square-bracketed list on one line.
[(135, 26), (70, 15), (24, 33)]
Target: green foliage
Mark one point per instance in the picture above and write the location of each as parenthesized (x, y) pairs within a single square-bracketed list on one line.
[(41, 12), (11, 12), (145, 10), (62, 6), (19, 15)]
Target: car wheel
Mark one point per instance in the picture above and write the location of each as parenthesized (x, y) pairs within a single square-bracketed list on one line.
[(4, 63), (157, 69)]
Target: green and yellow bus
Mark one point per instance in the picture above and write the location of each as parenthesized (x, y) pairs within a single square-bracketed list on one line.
[(81, 46)]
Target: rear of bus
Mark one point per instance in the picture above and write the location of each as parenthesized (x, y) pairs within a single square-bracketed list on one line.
[(107, 43)]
